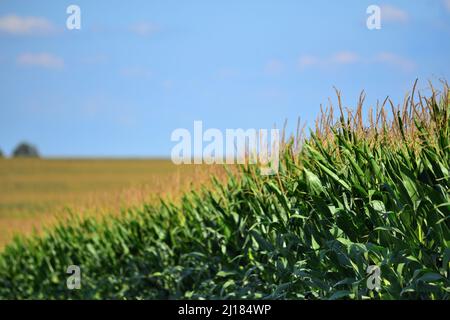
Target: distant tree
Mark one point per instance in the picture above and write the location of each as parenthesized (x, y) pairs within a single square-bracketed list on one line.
[(1, 153), (26, 150)]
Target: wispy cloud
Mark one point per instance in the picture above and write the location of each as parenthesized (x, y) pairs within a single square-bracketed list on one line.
[(349, 57), (391, 13), (15, 25), (395, 60), (144, 28), (44, 60), (273, 67), (339, 58), (345, 57), (307, 61)]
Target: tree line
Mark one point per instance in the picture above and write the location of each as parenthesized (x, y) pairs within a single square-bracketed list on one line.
[(23, 150)]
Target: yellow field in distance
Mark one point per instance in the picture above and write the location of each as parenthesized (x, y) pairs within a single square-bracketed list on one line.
[(34, 193)]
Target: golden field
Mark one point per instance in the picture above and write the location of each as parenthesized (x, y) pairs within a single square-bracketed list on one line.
[(36, 193)]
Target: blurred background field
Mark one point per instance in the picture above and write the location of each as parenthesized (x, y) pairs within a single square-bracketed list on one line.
[(35, 193)]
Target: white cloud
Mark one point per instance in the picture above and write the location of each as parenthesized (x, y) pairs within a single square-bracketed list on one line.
[(274, 66), (348, 57), (339, 58), (393, 59), (345, 57), (44, 60), (16, 25), (307, 61), (391, 13), (144, 28)]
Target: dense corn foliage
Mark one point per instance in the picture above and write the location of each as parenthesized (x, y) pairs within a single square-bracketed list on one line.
[(350, 196)]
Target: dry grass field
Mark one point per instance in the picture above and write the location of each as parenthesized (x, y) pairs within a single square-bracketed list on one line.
[(35, 193)]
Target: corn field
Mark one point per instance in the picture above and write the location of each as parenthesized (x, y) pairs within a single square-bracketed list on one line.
[(354, 193)]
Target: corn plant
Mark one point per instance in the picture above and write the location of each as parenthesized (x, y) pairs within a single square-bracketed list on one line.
[(351, 195)]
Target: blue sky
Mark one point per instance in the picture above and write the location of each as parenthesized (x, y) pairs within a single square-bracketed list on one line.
[(137, 70)]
